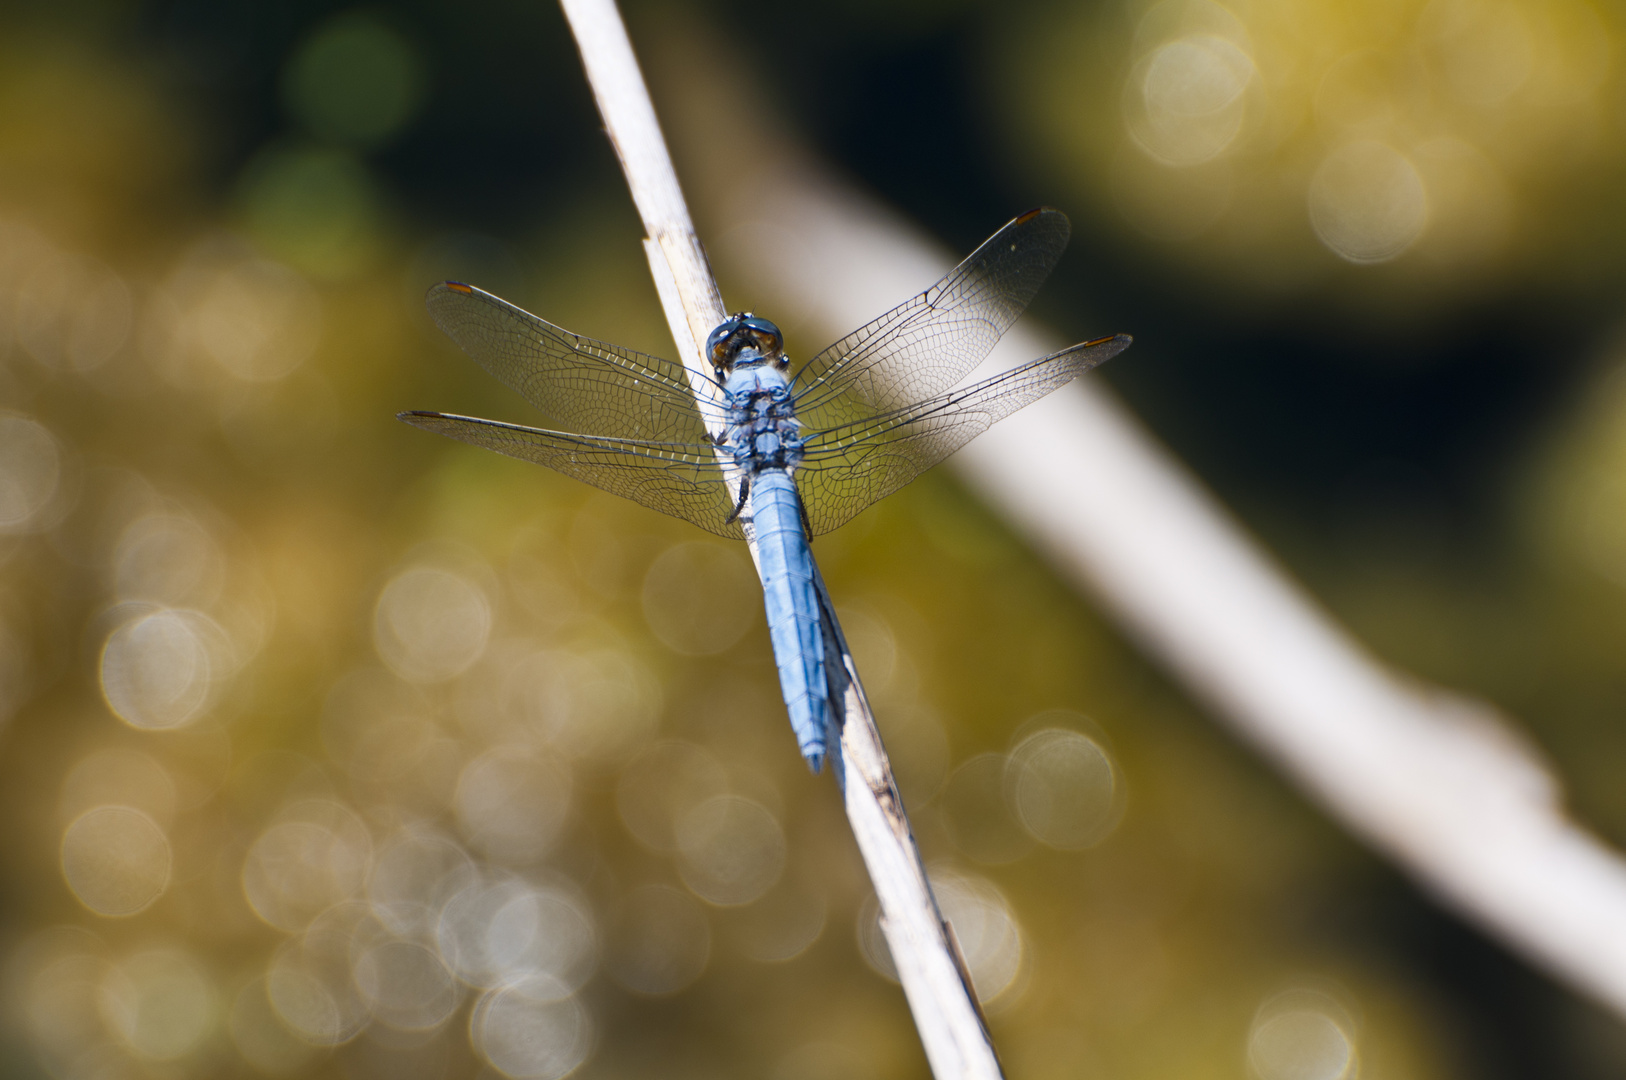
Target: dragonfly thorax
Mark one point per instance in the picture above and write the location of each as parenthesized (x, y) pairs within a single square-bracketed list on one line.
[(762, 428)]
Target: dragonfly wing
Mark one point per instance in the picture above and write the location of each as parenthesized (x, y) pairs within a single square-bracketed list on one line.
[(847, 468), (681, 479), (927, 344), (581, 384)]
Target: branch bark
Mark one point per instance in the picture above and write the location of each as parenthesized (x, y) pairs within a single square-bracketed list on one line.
[(929, 966)]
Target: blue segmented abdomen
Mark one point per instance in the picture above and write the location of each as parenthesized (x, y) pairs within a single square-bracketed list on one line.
[(793, 608)]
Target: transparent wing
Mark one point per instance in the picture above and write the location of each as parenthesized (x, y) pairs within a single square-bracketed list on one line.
[(924, 346), (849, 467), (585, 385), (681, 479)]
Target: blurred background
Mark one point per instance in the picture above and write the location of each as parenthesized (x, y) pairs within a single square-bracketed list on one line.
[(332, 749)]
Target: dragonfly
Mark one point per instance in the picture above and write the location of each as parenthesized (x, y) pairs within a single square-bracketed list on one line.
[(806, 449)]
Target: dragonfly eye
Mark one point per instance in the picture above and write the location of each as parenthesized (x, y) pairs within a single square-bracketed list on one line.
[(769, 345), (720, 347), (765, 336), (744, 331)]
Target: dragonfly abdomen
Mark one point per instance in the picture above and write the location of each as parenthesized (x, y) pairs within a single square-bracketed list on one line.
[(792, 607)]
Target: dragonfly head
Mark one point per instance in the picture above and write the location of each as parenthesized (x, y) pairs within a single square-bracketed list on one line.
[(744, 338)]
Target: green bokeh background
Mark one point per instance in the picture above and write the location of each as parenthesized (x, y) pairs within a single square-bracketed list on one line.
[(217, 223)]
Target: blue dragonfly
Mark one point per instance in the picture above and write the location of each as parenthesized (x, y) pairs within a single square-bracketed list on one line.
[(806, 450)]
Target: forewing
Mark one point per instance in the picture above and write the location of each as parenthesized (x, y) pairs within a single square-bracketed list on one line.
[(925, 345), (681, 479), (581, 384), (847, 468)]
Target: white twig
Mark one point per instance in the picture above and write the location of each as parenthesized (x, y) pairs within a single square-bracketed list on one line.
[(930, 969), (1442, 785)]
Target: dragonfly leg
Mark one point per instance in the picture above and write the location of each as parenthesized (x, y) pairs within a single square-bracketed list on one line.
[(745, 493)]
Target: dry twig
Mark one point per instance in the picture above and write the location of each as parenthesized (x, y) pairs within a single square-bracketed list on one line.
[(933, 977)]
